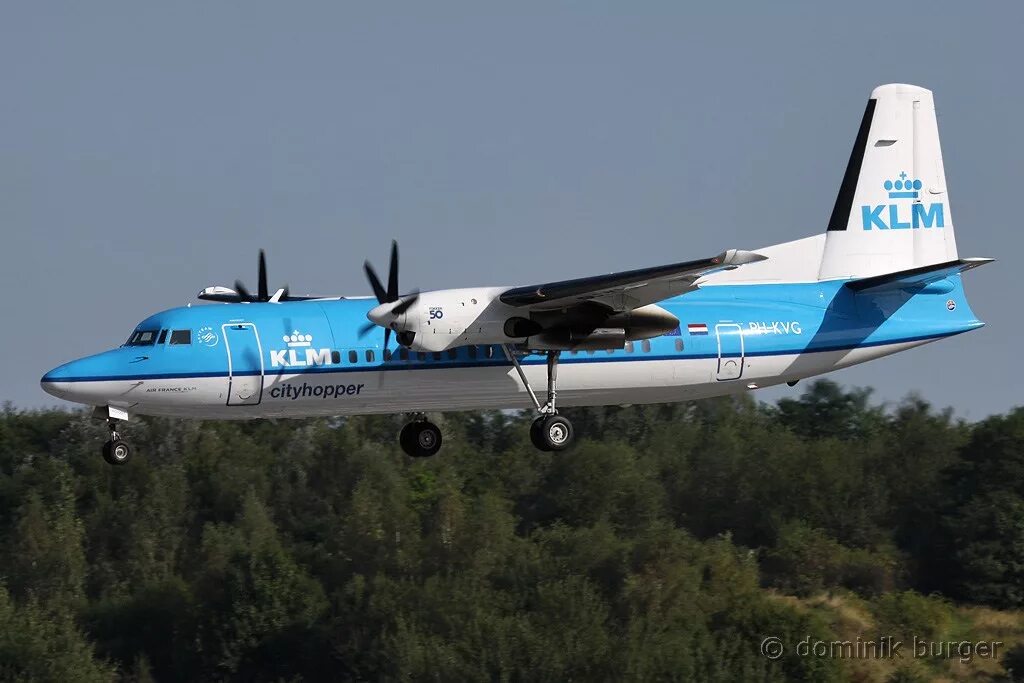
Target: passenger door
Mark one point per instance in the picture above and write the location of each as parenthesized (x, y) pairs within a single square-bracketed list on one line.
[(730, 351), (245, 364)]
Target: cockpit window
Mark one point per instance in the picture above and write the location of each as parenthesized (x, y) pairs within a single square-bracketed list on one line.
[(142, 338), (181, 337)]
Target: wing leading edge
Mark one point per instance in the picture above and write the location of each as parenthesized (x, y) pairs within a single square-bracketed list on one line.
[(629, 289)]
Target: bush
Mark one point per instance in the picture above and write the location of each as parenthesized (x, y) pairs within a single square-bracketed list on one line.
[(912, 614)]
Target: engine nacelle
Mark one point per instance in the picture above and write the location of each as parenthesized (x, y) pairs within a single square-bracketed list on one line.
[(565, 339), (644, 322), (448, 318)]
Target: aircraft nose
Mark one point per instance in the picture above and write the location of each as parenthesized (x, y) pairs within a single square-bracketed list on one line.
[(55, 382)]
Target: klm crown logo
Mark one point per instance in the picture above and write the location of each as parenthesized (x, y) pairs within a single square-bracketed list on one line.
[(297, 339), (301, 352), (888, 216), (902, 188)]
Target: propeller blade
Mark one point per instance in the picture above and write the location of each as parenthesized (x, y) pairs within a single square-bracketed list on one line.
[(393, 273), (406, 303), (378, 288), (390, 294), (264, 292), (365, 329), (243, 293)]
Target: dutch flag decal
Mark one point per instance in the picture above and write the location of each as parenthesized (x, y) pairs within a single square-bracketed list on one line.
[(697, 328)]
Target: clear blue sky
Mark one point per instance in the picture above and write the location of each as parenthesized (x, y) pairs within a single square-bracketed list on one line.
[(149, 149)]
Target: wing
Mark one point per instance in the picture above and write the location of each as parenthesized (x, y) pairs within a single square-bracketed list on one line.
[(227, 295), (629, 289)]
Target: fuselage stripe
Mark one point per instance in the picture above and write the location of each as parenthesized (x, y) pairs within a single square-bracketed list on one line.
[(397, 365)]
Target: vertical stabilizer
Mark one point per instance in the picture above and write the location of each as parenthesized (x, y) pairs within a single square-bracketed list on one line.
[(892, 210)]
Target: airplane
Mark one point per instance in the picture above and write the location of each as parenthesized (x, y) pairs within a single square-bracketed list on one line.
[(883, 277)]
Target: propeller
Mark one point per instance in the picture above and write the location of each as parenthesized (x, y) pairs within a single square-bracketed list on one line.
[(262, 291), (388, 296), (241, 294)]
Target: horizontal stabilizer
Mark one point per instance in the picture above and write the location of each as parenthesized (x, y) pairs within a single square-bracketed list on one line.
[(915, 277)]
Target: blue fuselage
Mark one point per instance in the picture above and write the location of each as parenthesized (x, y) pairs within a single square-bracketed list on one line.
[(299, 358)]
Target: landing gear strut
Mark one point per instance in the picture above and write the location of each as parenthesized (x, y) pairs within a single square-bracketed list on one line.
[(421, 438), (550, 431), (116, 451)]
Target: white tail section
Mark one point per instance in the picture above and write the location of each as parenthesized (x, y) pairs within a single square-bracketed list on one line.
[(892, 211)]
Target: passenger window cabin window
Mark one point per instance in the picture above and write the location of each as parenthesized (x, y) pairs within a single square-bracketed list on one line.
[(421, 355), (387, 354), (353, 356), (369, 355), (679, 344), (453, 354), (163, 337), (489, 351), (472, 352), (142, 338), (629, 347), (181, 337), (403, 354), (646, 345), (437, 355), (335, 357)]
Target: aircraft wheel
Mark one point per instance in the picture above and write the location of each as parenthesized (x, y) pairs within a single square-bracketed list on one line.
[(116, 452), (552, 433), (420, 439), (536, 435)]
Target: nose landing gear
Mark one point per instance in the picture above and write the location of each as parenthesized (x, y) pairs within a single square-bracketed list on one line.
[(116, 450), (420, 438), (550, 431)]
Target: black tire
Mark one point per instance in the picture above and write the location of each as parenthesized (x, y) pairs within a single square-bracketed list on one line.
[(406, 438), (117, 452), (536, 435), (420, 439), (557, 433)]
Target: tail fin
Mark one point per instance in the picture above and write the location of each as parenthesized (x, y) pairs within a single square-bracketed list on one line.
[(892, 211)]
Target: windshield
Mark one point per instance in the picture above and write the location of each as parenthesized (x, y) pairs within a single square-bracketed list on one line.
[(142, 338)]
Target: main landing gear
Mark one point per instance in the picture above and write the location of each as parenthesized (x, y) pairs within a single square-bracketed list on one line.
[(550, 431), (116, 451), (421, 438)]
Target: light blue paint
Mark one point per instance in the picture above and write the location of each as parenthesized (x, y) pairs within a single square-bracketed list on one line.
[(933, 216), (920, 216), (774, 319)]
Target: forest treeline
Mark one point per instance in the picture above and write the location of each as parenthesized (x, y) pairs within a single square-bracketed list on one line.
[(659, 548)]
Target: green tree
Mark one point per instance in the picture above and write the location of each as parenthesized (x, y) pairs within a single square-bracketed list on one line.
[(40, 644)]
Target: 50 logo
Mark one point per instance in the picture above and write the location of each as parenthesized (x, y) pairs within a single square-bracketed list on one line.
[(436, 313)]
